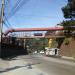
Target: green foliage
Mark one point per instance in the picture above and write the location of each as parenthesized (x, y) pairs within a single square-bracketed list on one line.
[(37, 44), (69, 9), (54, 44), (66, 41), (67, 12), (59, 41), (68, 23), (67, 26)]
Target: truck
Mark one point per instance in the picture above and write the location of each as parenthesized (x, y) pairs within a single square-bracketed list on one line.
[(52, 51)]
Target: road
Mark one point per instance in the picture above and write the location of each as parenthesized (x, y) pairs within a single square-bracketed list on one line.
[(39, 65)]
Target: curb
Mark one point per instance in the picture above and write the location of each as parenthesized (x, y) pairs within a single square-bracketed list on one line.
[(68, 58)]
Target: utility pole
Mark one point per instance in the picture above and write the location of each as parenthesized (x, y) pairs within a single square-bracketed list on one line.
[(1, 23)]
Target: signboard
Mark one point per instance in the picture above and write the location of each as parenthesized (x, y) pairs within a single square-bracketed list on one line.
[(38, 34)]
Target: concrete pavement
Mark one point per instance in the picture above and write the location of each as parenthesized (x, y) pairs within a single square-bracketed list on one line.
[(36, 65), (19, 67)]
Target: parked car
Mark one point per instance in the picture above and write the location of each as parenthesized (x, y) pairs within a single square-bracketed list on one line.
[(42, 52), (34, 52)]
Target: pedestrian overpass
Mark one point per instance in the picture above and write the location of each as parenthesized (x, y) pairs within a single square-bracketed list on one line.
[(54, 33)]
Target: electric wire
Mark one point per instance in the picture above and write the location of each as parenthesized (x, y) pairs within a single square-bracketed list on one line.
[(7, 21), (6, 25), (19, 4), (11, 9)]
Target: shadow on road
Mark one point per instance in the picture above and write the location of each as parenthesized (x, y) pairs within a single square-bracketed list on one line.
[(9, 51), (29, 66)]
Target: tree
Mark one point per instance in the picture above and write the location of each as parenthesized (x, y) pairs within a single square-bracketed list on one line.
[(37, 44), (68, 23), (69, 9), (69, 13)]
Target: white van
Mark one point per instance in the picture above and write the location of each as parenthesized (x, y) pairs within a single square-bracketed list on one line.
[(52, 51)]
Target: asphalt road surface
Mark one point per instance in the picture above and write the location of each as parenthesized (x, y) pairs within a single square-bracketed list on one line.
[(48, 65)]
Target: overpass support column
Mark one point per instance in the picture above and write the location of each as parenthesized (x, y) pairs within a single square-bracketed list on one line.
[(24, 44), (50, 42)]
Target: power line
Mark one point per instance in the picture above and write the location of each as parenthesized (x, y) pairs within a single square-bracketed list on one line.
[(6, 20), (6, 1), (5, 24), (17, 6), (20, 6), (8, 25), (12, 9)]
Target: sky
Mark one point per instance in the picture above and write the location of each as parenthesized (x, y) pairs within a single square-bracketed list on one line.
[(35, 13)]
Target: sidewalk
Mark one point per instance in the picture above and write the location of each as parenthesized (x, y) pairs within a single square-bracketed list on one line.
[(72, 59), (66, 57), (19, 67), (3, 64)]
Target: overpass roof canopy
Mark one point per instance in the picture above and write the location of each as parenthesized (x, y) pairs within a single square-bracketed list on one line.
[(33, 29)]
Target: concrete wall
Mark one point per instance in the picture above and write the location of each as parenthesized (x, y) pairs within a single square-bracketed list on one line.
[(69, 49), (9, 50)]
